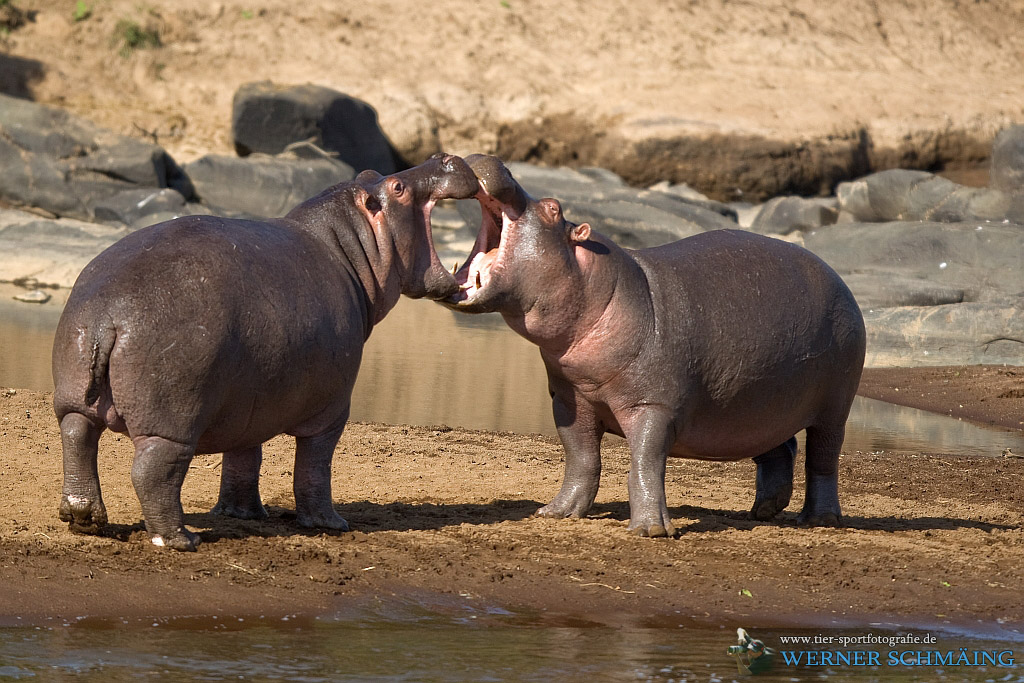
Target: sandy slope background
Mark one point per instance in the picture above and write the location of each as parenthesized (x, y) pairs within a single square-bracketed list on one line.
[(773, 84)]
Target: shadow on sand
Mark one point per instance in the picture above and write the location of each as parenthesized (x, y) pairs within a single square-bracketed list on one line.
[(367, 517)]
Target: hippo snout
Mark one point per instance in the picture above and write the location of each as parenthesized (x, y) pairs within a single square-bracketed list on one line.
[(459, 180)]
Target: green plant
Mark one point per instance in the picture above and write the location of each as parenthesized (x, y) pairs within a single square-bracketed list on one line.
[(82, 11), (131, 36), (247, 14)]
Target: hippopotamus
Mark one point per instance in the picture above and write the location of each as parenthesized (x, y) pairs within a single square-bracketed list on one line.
[(205, 335), (720, 346)]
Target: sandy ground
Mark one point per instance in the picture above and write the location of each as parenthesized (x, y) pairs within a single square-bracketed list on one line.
[(549, 80), (447, 513)]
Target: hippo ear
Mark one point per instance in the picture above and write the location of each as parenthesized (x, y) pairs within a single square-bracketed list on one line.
[(580, 233)]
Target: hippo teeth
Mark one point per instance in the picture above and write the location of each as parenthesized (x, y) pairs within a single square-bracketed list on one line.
[(455, 267), (478, 279)]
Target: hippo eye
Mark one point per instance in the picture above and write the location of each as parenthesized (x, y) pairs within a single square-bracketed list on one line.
[(397, 188)]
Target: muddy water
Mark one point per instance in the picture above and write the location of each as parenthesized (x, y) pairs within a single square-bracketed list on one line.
[(426, 365), (419, 643)]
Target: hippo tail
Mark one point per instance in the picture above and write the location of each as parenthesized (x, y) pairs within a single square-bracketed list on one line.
[(101, 346)]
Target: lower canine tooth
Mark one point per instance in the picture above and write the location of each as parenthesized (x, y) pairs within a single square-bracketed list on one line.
[(455, 267), (478, 279)]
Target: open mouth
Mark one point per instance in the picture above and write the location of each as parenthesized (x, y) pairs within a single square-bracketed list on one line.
[(484, 261)]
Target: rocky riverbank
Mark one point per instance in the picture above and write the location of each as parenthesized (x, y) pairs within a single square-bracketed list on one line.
[(938, 268)]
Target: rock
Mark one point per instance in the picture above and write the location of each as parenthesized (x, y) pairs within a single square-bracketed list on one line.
[(784, 215), (884, 290), (267, 118), (602, 175), (984, 261), (49, 253), (411, 125), (903, 195), (260, 185), (632, 217), (133, 207), (681, 189), (932, 293), (881, 196), (955, 334), (746, 213), (1007, 170), (35, 296), (66, 165)]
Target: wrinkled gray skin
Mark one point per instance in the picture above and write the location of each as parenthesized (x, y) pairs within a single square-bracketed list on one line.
[(720, 346), (204, 334)]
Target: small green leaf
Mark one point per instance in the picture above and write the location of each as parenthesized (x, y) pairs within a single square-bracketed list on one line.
[(247, 14), (505, 4), (746, 593), (82, 11), (947, 584)]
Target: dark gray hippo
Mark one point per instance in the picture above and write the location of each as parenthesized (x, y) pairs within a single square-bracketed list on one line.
[(720, 346), (206, 334)]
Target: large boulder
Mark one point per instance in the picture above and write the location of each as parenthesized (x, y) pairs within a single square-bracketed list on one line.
[(49, 252), (1007, 170), (932, 293), (268, 118), (783, 215), (58, 162), (983, 261), (634, 218), (145, 206), (260, 185), (905, 195), (955, 334)]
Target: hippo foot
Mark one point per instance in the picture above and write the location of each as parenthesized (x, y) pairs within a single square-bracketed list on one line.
[(253, 510), (555, 510), (826, 518), (654, 531), (653, 528), (322, 519), (767, 507), (573, 500), (181, 539), (83, 515)]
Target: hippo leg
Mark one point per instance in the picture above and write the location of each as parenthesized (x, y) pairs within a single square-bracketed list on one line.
[(81, 504), (774, 480), (240, 485), (158, 471), (581, 439), (821, 504), (650, 439), (312, 484)]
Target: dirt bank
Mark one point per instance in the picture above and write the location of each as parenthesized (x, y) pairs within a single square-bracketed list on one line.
[(446, 511), (986, 394), (739, 99)]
